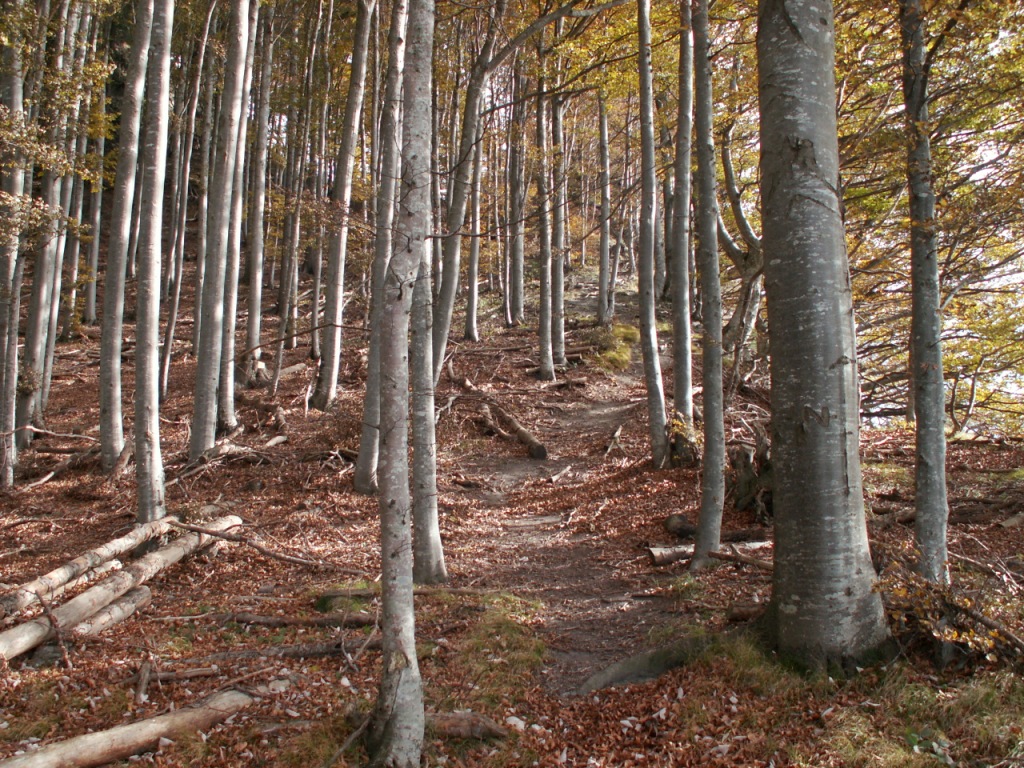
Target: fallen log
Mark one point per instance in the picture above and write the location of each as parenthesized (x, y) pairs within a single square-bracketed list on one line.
[(669, 555), (535, 447), (26, 636), (358, 619), (129, 739), (735, 557), (133, 600), (464, 725), (44, 586)]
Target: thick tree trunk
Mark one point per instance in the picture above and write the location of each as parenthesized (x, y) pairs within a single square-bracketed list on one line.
[(926, 324), (149, 466), (365, 476), (111, 420), (330, 363), (824, 609), (396, 732), (208, 359), (657, 419), (679, 258), (713, 475)]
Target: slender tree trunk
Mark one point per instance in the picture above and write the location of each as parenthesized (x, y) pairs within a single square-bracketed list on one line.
[(208, 360), (517, 196), (365, 476), (428, 554), (657, 419), (111, 420), (257, 236), (95, 214), (545, 356), (149, 467), (327, 379), (604, 314), (712, 500), (471, 333), (682, 331), (558, 216), (926, 325), (824, 609), (396, 732), (206, 143)]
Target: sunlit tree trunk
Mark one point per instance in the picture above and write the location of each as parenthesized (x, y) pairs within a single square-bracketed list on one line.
[(517, 196), (824, 609), (558, 216), (396, 731), (111, 421), (149, 467), (257, 236), (679, 250), (657, 420), (330, 362), (712, 486), (546, 363), (204, 420), (206, 142), (930, 504), (365, 475), (604, 314), (471, 332)]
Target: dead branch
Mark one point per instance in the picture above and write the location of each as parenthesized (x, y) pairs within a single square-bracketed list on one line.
[(989, 622), (300, 651), (265, 550), (735, 557), (358, 619), (465, 725), (69, 463)]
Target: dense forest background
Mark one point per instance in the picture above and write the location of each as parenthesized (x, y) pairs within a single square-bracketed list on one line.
[(314, 270)]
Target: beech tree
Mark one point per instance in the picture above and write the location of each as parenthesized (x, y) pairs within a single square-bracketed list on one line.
[(824, 609)]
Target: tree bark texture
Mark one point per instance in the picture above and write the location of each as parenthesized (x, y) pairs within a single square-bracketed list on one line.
[(823, 605), (930, 500)]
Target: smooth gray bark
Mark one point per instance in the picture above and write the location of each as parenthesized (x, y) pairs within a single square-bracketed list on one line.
[(396, 732), (930, 503), (712, 497), (558, 217), (257, 236), (334, 297), (679, 252), (471, 332), (365, 475), (824, 609), (604, 314), (111, 420), (517, 197), (149, 466), (208, 358), (226, 418), (546, 362), (657, 419)]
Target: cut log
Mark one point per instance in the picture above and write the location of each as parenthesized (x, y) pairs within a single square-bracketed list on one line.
[(131, 738), (26, 636), (535, 447), (131, 601), (669, 555), (465, 725), (731, 557), (44, 586)]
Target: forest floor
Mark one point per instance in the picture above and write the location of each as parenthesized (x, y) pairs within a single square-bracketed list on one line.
[(551, 581)]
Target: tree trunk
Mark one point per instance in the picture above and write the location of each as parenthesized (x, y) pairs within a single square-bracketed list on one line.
[(365, 476), (926, 323), (546, 363), (517, 196), (208, 358), (257, 236), (682, 332), (471, 332), (396, 732), (227, 421), (713, 475), (604, 314), (558, 219), (824, 609), (657, 420), (327, 379), (149, 466), (111, 420)]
